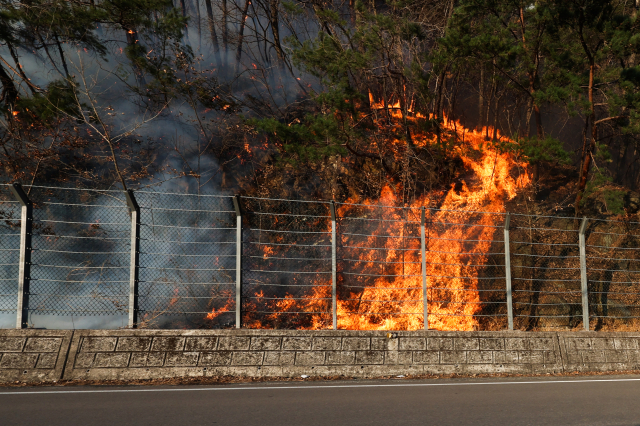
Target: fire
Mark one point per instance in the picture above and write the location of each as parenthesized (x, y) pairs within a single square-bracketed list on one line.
[(387, 291)]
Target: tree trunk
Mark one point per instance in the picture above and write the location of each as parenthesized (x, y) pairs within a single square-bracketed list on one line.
[(9, 94), (183, 6), (132, 40), (275, 28), (481, 101), (62, 58), (212, 31), (245, 11), (225, 30), (586, 161)]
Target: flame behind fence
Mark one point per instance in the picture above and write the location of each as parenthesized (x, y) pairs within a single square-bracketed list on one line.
[(188, 255)]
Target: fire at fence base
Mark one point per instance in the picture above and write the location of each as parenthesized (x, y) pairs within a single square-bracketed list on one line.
[(51, 355)]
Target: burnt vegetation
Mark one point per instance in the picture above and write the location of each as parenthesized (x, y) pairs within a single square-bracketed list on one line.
[(325, 100), (344, 101)]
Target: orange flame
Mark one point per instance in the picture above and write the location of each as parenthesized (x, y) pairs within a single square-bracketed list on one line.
[(395, 299)]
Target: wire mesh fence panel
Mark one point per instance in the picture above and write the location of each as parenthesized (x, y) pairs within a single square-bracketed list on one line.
[(80, 257), (10, 211), (380, 268), (81, 248), (545, 265), (613, 270), (466, 270), (286, 264), (187, 260)]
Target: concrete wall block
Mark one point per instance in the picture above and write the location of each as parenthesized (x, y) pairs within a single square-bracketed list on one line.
[(98, 344), (265, 343), (379, 344), (580, 342), (480, 357), (181, 359), (84, 360), (247, 358), (491, 344), (340, 357), (356, 344), (405, 357), (279, 358), (47, 360), (138, 359), (595, 356), (616, 356), (603, 343), (518, 344), (133, 344), (633, 357), (43, 344), (111, 360), (550, 357), (392, 344), (370, 357), (453, 357), (156, 359), (310, 358), (235, 343), (200, 344), (297, 343), (412, 343), (531, 357), (18, 360), (147, 359), (11, 344), (440, 344), (170, 343), (426, 357), (621, 343), (327, 343), (215, 358), (391, 357), (573, 357), (542, 344), (506, 357), (466, 344)]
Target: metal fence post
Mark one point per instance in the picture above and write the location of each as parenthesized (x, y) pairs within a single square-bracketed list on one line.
[(334, 268), (423, 252), (134, 265), (24, 268), (583, 273), (507, 270), (236, 204)]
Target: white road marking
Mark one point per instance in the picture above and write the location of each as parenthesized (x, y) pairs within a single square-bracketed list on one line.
[(399, 385)]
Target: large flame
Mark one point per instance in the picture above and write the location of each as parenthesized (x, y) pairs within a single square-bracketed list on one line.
[(393, 299)]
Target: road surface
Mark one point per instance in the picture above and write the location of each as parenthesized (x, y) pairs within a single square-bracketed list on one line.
[(602, 400)]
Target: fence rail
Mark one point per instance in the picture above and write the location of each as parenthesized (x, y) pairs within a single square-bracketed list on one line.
[(205, 261)]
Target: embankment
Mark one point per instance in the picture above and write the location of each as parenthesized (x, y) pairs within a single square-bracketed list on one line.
[(48, 355)]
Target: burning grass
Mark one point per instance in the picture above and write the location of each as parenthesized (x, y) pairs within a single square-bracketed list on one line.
[(380, 273)]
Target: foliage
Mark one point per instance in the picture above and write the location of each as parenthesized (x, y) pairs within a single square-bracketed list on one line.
[(534, 150)]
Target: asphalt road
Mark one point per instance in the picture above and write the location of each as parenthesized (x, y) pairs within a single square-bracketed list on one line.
[(604, 400)]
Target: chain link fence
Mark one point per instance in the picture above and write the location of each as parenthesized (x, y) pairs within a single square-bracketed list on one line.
[(10, 211), (312, 264), (187, 259)]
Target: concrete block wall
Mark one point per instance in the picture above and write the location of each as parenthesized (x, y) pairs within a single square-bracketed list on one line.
[(600, 351), (33, 355), (146, 354)]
